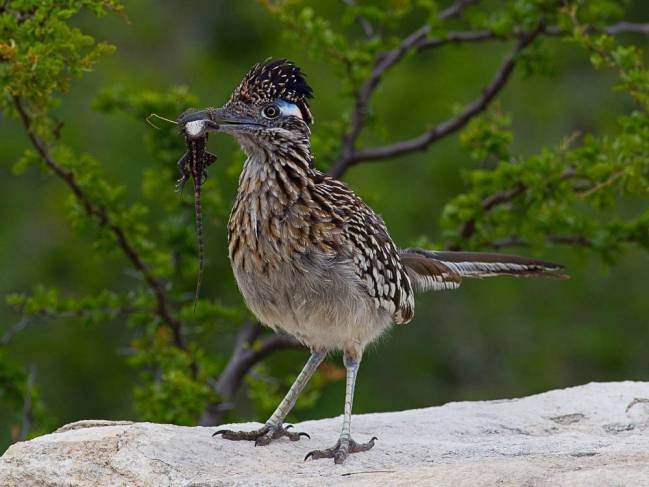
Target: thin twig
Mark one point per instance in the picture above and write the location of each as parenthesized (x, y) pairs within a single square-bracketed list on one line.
[(365, 24), (574, 240), (27, 414), (359, 113), (461, 37), (512, 241), (627, 27), (577, 240), (165, 119), (595, 188), (468, 229), (455, 9), (14, 330), (26, 320)]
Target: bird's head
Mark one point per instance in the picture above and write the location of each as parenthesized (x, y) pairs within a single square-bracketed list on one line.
[(269, 108)]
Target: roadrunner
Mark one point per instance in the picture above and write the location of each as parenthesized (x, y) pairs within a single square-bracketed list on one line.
[(310, 257)]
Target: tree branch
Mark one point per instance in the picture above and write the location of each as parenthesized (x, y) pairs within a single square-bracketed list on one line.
[(455, 9), (468, 228), (26, 320), (245, 356), (104, 219), (382, 63), (15, 329), (578, 240), (359, 113), (620, 28), (470, 36), (28, 407), (575, 240), (455, 123), (460, 38), (365, 24)]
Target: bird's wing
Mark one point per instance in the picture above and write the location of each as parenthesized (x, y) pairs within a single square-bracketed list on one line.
[(375, 257)]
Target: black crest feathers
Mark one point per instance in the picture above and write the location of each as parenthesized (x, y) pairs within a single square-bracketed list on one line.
[(279, 79)]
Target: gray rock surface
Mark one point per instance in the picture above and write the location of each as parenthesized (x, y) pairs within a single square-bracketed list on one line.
[(592, 435)]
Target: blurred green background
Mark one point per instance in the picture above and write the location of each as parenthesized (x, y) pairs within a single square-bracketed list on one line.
[(490, 339)]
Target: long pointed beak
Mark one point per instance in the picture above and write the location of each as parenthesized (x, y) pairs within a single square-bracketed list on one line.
[(212, 114), (222, 120)]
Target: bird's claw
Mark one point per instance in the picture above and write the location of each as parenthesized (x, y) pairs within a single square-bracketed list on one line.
[(341, 450), (262, 436)]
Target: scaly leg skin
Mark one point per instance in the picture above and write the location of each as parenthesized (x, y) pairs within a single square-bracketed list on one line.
[(339, 452), (182, 165), (345, 445), (274, 428), (208, 160)]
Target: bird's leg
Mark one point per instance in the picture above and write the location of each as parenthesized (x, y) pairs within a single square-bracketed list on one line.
[(274, 427), (345, 444)]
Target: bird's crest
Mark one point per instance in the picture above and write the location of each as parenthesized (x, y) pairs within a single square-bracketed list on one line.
[(276, 80)]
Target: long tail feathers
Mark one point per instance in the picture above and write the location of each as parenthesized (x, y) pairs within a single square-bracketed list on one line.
[(431, 270)]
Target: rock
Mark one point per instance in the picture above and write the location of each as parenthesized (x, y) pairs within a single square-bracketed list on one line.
[(592, 435)]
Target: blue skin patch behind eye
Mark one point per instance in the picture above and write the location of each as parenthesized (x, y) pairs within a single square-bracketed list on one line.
[(288, 109)]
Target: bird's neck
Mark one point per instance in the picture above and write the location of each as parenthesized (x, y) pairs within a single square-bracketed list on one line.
[(272, 185), (282, 172)]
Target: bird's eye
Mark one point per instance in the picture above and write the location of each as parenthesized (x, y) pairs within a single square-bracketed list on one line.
[(271, 111)]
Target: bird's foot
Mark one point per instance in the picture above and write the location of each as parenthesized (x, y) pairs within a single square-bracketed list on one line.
[(341, 450), (264, 435)]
